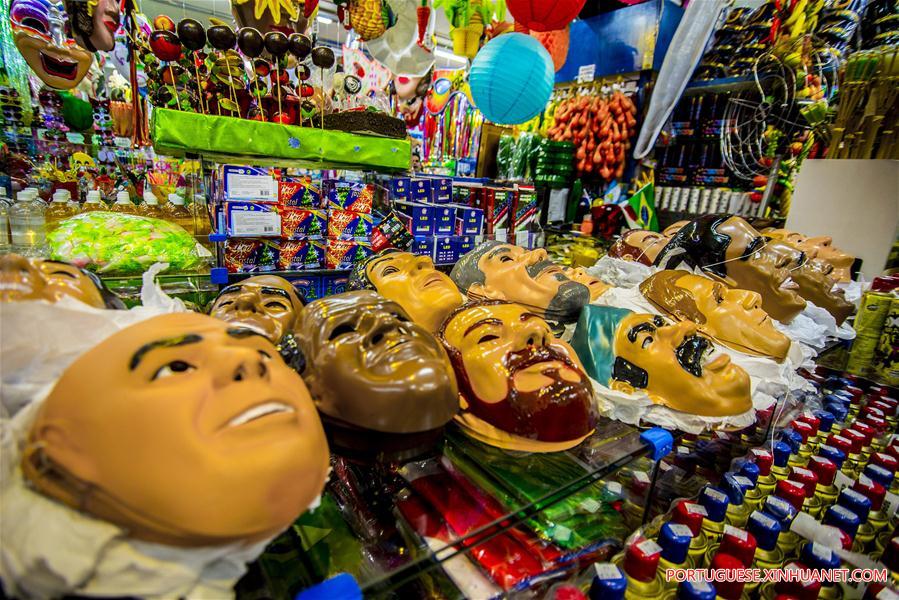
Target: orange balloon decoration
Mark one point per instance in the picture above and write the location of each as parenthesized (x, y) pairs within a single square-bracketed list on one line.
[(545, 15), (556, 43)]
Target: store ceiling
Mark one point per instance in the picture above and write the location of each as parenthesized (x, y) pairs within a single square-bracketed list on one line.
[(328, 27)]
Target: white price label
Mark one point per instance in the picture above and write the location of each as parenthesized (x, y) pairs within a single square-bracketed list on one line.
[(586, 73), (734, 532), (891, 504), (842, 480), (249, 187), (252, 223)]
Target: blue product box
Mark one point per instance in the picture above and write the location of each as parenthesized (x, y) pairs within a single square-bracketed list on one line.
[(423, 246), (442, 190), (464, 244), (333, 284), (445, 251), (309, 287), (400, 188), (252, 219), (420, 190), (469, 221), (444, 220), (248, 183), (526, 209), (417, 217)]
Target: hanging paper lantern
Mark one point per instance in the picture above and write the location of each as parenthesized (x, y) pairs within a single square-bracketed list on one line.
[(544, 15), (511, 79), (556, 43)]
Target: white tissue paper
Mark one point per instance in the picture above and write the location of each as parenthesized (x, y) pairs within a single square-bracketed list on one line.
[(620, 273), (814, 327)]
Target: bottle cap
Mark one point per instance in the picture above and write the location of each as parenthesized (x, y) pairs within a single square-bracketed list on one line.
[(799, 590), (715, 502), (765, 529), (818, 556), (835, 382), (838, 411), (750, 471), (836, 398), (176, 200), (872, 490), (122, 197), (689, 514), (675, 539), (843, 519), (882, 459), (870, 409), (888, 409), (893, 450), (812, 420), (792, 438), (729, 590), (841, 443), (879, 424), (150, 198), (807, 478), (781, 510), (93, 196), (826, 420), (764, 460), (879, 474), (856, 439), (59, 196), (781, 453), (791, 491), (739, 544), (608, 583), (731, 486), (835, 455), (866, 430), (824, 469), (804, 430), (856, 502), (641, 560), (696, 590), (854, 391)]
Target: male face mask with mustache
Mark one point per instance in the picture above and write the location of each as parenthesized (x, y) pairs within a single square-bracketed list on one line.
[(672, 363)]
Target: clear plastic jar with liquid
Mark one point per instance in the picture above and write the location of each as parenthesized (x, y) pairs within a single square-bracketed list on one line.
[(92, 202), (174, 211), (26, 221), (59, 209), (150, 206), (123, 204)]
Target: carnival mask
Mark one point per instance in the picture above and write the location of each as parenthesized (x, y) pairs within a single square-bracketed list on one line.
[(523, 389), (638, 245), (498, 271), (596, 286), (95, 23), (813, 281), (672, 229), (821, 248), (266, 304), (729, 249), (39, 31), (369, 366), (426, 294), (182, 430), (731, 316), (671, 362), (38, 279)]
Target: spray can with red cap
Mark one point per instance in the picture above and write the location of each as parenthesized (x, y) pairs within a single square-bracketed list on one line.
[(826, 471), (640, 563), (888, 462), (809, 482), (764, 485), (878, 518), (693, 516), (729, 590)]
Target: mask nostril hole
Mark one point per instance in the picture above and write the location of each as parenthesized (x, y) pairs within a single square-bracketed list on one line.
[(376, 339)]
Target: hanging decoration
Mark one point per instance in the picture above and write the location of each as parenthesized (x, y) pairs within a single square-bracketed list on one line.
[(511, 79), (466, 19), (545, 15), (94, 23), (368, 18), (270, 15), (398, 49), (453, 135), (556, 43)]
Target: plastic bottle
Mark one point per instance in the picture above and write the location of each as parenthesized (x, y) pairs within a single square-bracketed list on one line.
[(201, 217), (150, 206), (123, 204), (175, 212), (92, 202), (26, 222), (58, 210), (4, 225)]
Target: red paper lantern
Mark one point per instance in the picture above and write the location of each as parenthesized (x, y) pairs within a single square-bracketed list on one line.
[(544, 15), (556, 43)]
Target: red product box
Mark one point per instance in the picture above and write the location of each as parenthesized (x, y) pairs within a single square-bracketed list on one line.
[(299, 193), (301, 255), (251, 255), (344, 254), (349, 225), (303, 224)]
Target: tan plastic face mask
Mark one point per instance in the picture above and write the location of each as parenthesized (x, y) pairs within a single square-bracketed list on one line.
[(596, 286), (369, 365), (411, 281), (679, 371), (182, 430), (638, 245), (821, 248), (734, 317), (38, 279), (515, 375), (813, 281), (265, 303), (764, 271)]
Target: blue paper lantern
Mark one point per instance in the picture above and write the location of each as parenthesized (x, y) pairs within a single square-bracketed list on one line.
[(511, 79)]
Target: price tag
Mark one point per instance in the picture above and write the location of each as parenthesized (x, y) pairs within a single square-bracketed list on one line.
[(586, 73), (734, 532), (251, 223), (607, 571), (697, 509), (842, 480), (891, 504), (681, 530), (649, 547)]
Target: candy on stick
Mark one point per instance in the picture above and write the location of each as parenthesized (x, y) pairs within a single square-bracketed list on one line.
[(193, 37)]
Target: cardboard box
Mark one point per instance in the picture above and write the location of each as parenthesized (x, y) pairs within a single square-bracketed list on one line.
[(445, 250), (254, 184), (400, 188), (349, 225), (303, 224), (420, 191), (465, 244), (301, 255), (416, 216), (444, 220), (526, 209), (343, 254), (333, 284), (497, 208), (441, 190), (308, 287), (469, 221), (299, 193), (252, 219), (423, 246), (251, 255), (349, 195)]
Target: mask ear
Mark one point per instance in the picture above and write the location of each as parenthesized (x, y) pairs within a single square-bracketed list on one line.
[(726, 280), (62, 449), (480, 290)]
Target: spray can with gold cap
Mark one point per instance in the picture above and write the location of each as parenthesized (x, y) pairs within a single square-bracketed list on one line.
[(813, 421), (640, 564), (878, 518), (844, 445), (806, 433), (693, 516), (869, 434)]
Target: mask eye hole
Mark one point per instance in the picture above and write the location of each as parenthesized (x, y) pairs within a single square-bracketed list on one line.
[(340, 330), (35, 24), (488, 338), (646, 341), (275, 304), (65, 274), (506, 259), (173, 368)]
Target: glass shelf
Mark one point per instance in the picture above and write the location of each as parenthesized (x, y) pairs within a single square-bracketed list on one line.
[(471, 521)]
